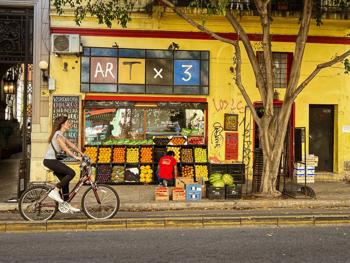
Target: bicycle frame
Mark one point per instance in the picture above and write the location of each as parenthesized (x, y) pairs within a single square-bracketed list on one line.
[(85, 168)]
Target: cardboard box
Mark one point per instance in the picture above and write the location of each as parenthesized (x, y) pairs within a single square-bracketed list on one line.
[(161, 194), (179, 194), (301, 179), (182, 182)]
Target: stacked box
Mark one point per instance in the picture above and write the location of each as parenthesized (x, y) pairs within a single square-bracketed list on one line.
[(233, 191), (301, 179), (312, 160), (215, 192), (182, 182), (179, 194), (236, 170), (299, 173), (193, 192), (161, 194)]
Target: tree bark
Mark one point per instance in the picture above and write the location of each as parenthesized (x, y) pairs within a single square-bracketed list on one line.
[(272, 136)]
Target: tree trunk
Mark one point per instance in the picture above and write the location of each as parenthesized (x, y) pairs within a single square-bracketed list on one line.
[(272, 135)]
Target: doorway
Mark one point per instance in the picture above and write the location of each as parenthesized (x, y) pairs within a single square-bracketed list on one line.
[(16, 58), (321, 135)]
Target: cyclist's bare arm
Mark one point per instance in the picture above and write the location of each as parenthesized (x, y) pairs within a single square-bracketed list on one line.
[(62, 143)]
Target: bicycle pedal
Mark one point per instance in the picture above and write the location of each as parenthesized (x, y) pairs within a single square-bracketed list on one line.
[(63, 207)]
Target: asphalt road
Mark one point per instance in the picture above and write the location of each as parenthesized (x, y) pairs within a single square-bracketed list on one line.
[(320, 244)]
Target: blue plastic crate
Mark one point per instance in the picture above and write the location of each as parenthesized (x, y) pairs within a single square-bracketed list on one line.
[(193, 188), (193, 195)]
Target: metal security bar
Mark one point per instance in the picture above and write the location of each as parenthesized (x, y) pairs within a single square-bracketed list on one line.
[(16, 35)]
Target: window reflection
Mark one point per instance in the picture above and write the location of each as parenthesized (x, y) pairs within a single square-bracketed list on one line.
[(123, 125)]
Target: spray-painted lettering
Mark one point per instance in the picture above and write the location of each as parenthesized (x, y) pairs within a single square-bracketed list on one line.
[(233, 105), (216, 137)]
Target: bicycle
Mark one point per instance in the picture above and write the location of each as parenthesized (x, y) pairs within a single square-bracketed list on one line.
[(99, 201)]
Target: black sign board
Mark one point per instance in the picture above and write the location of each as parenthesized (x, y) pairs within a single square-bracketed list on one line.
[(68, 106)]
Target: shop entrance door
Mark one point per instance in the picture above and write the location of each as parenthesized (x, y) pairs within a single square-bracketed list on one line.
[(321, 135), (16, 58)]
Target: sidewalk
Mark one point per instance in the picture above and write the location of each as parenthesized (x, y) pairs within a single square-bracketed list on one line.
[(140, 198), (327, 208)]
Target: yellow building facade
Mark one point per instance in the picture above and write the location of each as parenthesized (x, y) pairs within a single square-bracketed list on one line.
[(330, 88)]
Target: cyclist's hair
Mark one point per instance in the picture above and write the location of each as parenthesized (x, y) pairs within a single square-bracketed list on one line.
[(170, 153), (57, 124)]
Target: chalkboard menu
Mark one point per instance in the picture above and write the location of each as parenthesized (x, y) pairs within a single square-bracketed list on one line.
[(68, 106)]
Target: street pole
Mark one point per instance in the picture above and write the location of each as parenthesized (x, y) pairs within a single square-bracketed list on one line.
[(23, 173)]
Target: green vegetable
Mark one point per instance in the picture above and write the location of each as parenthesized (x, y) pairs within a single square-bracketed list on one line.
[(215, 177), (219, 183), (228, 179)]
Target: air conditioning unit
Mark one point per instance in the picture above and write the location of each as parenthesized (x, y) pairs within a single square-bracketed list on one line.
[(65, 43)]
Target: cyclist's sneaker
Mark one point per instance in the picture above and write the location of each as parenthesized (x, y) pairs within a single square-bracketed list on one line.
[(73, 209), (55, 196), (63, 207)]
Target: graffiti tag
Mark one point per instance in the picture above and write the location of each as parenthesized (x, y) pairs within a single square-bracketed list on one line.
[(233, 105), (216, 137)]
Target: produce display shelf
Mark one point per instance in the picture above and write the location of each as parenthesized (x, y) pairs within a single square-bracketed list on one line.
[(153, 152)]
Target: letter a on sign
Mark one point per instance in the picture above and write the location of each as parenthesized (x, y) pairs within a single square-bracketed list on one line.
[(103, 70)]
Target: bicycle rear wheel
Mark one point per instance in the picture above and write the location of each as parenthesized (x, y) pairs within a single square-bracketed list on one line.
[(35, 205), (106, 208)]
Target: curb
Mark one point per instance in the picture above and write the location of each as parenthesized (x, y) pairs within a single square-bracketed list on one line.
[(217, 204), (172, 222)]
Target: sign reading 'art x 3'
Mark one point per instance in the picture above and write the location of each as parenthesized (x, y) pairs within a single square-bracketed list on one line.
[(145, 71)]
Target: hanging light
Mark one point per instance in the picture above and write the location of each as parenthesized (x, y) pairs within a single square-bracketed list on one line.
[(9, 83)]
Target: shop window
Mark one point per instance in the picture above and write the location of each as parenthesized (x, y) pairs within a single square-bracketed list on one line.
[(103, 126), (281, 67)]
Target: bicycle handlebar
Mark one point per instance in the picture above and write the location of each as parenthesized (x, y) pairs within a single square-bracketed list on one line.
[(86, 160)]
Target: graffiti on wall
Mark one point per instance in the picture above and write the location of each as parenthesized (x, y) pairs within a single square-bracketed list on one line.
[(231, 105), (217, 137), (247, 138)]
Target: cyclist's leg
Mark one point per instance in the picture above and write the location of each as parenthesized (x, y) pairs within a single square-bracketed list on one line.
[(64, 173), (64, 187), (65, 177)]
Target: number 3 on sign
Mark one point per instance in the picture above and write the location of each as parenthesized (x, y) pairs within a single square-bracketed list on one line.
[(188, 67), (186, 72)]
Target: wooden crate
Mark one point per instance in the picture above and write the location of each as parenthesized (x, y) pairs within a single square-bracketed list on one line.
[(179, 194), (161, 194)]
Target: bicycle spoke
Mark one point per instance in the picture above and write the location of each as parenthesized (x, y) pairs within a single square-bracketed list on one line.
[(34, 204), (109, 202)]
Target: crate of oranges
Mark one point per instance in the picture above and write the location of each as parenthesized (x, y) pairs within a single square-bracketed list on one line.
[(177, 140), (119, 154), (91, 152), (146, 155)]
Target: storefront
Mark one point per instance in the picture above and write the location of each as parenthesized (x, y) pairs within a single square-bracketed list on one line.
[(126, 137)]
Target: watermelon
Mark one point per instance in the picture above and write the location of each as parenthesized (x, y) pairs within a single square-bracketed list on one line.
[(219, 183), (228, 179), (215, 177)]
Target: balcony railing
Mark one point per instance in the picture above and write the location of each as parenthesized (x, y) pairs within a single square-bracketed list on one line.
[(277, 6)]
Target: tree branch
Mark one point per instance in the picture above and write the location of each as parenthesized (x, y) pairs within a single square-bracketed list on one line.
[(265, 25), (240, 85), (300, 47), (318, 68), (195, 24), (250, 52)]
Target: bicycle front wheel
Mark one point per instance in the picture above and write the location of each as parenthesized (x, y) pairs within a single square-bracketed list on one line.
[(101, 202), (35, 205)]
